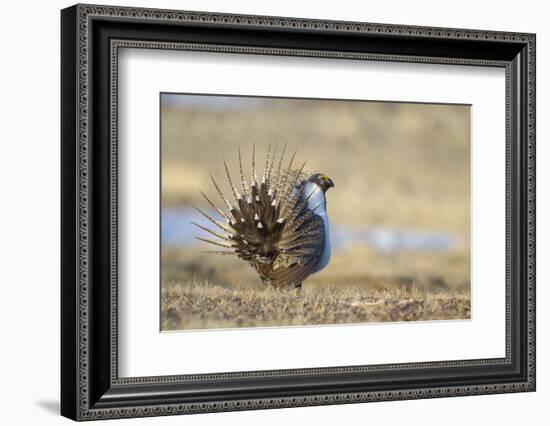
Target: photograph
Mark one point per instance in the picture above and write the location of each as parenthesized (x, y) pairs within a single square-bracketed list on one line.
[(283, 212)]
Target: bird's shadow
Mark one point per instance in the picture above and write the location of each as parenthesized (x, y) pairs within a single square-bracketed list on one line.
[(50, 406)]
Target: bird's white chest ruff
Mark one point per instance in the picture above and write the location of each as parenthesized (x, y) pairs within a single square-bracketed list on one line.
[(317, 199)]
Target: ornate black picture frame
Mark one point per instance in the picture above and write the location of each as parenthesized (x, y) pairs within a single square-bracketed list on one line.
[(91, 36)]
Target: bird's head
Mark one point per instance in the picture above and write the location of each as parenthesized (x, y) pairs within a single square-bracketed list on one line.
[(322, 180)]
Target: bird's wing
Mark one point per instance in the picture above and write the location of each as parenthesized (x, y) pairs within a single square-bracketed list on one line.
[(302, 252)]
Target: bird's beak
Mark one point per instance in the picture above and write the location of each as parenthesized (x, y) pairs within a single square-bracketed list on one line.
[(330, 183)]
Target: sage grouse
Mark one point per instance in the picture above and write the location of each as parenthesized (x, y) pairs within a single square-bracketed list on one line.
[(279, 226)]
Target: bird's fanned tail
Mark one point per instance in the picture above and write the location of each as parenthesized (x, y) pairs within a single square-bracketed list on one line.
[(268, 224)]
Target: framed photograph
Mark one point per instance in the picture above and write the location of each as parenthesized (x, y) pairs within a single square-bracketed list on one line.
[(263, 212)]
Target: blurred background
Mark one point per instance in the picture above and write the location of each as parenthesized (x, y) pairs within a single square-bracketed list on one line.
[(400, 209)]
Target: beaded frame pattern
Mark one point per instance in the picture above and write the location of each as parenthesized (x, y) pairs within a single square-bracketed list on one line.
[(87, 12)]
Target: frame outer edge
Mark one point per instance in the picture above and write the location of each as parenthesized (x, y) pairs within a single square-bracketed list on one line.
[(69, 288), (531, 202), (83, 198)]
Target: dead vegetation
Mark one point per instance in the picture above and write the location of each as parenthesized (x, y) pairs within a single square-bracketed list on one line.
[(200, 305)]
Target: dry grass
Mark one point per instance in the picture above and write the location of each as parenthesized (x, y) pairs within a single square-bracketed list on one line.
[(200, 305)]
